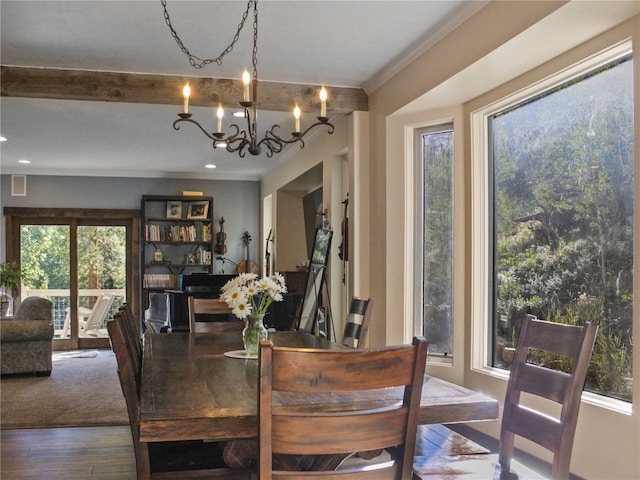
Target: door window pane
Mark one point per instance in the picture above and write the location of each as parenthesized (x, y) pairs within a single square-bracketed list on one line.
[(101, 270), (44, 260)]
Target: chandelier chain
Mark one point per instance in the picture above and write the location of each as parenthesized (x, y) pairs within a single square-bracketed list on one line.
[(239, 141), (198, 62), (254, 54)]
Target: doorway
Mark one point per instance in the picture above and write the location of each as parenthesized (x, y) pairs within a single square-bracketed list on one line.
[(83, 263)]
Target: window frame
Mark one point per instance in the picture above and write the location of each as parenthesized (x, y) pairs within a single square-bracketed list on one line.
[(482, 227), (418, 133)]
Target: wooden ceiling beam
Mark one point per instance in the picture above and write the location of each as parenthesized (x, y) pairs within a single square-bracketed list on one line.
[(165, 89)]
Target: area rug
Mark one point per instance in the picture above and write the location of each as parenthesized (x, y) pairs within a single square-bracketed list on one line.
[(83, 390)]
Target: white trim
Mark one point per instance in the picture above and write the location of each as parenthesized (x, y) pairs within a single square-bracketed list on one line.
[(410, 254)]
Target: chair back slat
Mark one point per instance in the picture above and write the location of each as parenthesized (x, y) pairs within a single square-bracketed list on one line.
[(316, 371), (350, 432), (564, 388), (361, 420), (211, 306), (543, 382), (543, 430), (554, 338)]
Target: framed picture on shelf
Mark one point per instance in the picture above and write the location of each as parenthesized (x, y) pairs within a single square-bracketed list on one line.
[(174, 210), (198, 210)]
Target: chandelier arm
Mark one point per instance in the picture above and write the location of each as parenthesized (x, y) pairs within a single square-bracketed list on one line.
[(187, 119), (297, 137), (238, 137)]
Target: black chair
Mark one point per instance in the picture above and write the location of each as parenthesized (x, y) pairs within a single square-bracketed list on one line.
[(357, 326)]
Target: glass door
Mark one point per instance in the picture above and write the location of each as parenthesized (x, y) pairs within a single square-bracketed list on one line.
[(45, 269), (82, 266), (101, 279)]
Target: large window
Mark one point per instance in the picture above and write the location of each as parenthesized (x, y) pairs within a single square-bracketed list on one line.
[(563, 188), (434, 149)]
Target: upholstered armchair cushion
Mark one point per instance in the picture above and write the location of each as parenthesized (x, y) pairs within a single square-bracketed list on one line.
[(26, 339), (35, 308), (22, 331)]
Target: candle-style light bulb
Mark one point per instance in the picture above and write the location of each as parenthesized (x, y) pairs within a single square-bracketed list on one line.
[(246, 81), (219, 114), (323, 102), (296, 115), (186, 92)]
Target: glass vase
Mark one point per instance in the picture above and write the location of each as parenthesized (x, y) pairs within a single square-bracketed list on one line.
[(253, 332)]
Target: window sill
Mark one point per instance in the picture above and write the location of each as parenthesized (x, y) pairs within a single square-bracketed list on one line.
[(439, 359), (617, 406)]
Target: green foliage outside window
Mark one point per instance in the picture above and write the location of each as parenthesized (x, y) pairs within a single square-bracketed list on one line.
[(564, 193)]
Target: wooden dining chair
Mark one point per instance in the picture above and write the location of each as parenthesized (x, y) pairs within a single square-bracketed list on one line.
[(565, 388), (131, 329), (211, 306), (164, 460), (134, 354), (297, 425), (567, 343), (357, 326)]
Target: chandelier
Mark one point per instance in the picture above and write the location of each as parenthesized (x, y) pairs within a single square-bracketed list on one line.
[(241, 140)]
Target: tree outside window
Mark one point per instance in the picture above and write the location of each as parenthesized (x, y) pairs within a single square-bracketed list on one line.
[(563, 210)]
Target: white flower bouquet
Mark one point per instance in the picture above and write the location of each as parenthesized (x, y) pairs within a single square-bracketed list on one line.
[(248, 295)]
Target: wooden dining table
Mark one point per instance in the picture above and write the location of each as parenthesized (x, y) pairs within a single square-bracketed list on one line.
[(191, 390)]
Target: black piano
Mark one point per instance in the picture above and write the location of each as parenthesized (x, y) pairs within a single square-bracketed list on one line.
[(169, 310)]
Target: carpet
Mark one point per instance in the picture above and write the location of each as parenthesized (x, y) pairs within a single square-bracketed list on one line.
[(83, 390)]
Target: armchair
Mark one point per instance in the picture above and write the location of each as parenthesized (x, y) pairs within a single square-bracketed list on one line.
[(25, 339)]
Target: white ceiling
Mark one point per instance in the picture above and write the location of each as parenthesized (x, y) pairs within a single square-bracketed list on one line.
[(339, 43)]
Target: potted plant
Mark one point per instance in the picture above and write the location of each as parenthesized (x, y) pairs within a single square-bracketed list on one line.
[(9, 281)]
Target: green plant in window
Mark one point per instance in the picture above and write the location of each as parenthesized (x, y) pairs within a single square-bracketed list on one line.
[(9, 276)]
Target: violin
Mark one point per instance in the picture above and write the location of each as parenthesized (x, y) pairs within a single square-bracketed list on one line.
[(220, 248), (343, 249), (267, 255), (247, 266)]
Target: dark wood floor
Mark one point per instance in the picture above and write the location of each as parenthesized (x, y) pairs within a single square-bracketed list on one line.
[(106, 453), (79, 453)]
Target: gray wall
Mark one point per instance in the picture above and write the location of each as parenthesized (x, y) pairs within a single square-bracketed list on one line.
[(237, 201)]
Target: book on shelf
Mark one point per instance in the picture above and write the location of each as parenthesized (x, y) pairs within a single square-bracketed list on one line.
[(196, 232), (159, 280)]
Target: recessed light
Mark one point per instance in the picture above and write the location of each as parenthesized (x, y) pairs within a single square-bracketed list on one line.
[(3, 139), (239, 114), (24, 161), (209, 165)]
